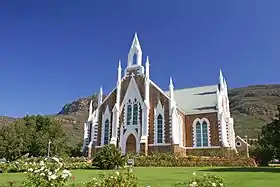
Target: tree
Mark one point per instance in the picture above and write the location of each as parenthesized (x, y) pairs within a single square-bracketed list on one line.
[(12, 141), (270, 135), (268, 146), (31, 135)]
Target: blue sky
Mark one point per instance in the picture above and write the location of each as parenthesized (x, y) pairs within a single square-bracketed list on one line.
[(53, 52)]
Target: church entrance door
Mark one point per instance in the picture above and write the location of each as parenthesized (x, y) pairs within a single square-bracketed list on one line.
[(131, 144)]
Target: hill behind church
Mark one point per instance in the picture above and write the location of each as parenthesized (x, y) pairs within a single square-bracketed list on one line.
[(251, 108)]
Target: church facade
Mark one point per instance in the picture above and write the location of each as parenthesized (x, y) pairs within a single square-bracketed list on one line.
[(138, 116)]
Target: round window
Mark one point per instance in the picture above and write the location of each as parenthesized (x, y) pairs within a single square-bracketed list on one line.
[(238, 143)]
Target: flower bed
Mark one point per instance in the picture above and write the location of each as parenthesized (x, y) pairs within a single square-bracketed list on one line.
[(23, 164)]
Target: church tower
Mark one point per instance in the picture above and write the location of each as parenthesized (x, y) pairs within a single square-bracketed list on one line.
[(134, 59)]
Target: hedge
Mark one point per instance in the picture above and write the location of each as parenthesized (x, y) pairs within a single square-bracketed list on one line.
[(168, 160)]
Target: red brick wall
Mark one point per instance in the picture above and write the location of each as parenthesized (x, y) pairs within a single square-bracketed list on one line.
[(214, 130)]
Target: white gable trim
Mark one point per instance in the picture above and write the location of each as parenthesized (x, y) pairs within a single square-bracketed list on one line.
[(242, 140), (106, 115), (194, 130), (103, 101), (132, 93), (159, 110)]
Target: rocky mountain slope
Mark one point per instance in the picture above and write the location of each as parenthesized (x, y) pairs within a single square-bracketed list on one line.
[(251, 108)]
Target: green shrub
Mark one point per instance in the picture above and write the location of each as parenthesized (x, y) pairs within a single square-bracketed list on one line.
[(262, 154), (50, 172), (109, 157), (124, 178), (203, 181), (170, 160), (23, 164)]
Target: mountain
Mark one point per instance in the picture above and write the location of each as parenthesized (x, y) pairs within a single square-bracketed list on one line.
[(251, 108)]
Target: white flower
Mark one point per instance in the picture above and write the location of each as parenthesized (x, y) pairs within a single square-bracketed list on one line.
[(30, 170), (56, 159), (221, 184), (213, 184), (42, 163), (42, 174), (193, 184), (37, 171), (117, 173), (52, 177), (194, 174)]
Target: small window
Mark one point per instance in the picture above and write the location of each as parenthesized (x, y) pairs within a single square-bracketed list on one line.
[(159, 129), (134, 59), (238, 144), (135, 114), (128, 114), (202, 134), (106, 132)]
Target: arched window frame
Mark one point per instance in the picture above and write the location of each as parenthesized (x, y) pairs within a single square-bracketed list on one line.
[(106, 134), (198, 127), (135, 113), (159, 110), (106, 116), (133, 118)]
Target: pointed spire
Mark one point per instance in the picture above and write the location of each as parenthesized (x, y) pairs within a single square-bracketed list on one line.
[(135, 53), (147, 67), (90, 107), (119, 67), (135, 42), (119, 71), (171, 83), (101, 90), (100, 96), (221, 77)]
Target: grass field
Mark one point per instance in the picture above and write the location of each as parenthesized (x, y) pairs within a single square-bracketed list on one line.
[(155, 177)]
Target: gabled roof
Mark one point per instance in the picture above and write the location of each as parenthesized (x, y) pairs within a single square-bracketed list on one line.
[(242, 140), (197, 100)]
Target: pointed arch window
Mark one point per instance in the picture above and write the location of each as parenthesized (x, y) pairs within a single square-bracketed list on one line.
[(128, 114), (159, 129), (202, 134), (135, 114), (134, 59), (106, 132)]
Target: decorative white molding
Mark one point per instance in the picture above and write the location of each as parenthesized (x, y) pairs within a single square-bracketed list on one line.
[(132, 93), (194, 131), (160, 144), (180, 124), (106, 115), (208, 147), (159, 110)]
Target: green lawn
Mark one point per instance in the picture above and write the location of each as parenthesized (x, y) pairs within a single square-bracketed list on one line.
[(234, 177)]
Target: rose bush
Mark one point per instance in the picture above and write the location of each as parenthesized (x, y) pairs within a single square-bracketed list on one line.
[(126, 178), (49, 172), (205, 180), (23, 164)]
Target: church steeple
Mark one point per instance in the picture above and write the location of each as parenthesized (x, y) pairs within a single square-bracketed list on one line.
[(135, 53), (134, 59)]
